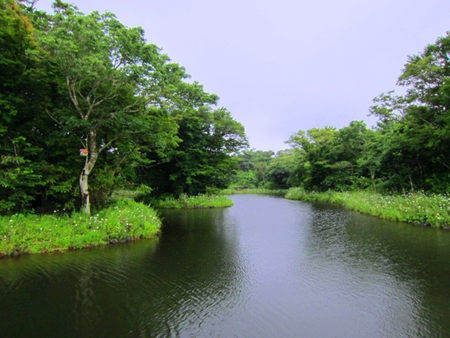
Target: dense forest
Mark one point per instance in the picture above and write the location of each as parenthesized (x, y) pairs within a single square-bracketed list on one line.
[(408, 150), (87, 105)]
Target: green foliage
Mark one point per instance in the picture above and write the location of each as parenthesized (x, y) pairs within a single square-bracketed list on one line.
[(257, 191), (407, 152), (329, 157), (72, 80), (281, 169), (412, 207), (124, 220), (417, 124), (115, 83), (244, 179), (21, 96), (194, 202), (254, 166), (203, 158)]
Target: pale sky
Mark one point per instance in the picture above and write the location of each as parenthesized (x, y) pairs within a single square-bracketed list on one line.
[(284, 66)]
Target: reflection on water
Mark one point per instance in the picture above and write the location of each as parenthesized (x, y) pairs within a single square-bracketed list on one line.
[(267, 267)]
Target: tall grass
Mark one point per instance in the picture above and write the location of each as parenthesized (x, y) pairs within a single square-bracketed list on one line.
[(125, 220), (194, 202), (413, 207)]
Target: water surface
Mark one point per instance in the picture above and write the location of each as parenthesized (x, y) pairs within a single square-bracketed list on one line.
[(267, 267)]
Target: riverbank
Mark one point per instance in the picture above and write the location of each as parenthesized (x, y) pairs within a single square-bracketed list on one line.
[(194, 202), (125, 220), (243, 191), (418, 208)]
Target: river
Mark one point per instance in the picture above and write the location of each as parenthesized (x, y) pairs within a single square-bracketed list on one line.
[(266, 267)]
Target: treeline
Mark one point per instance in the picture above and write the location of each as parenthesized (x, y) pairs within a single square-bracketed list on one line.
[(408, 150), (87, 105)]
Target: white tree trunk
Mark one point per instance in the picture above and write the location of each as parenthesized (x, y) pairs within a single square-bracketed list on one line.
[(84, 188), (84, 176)]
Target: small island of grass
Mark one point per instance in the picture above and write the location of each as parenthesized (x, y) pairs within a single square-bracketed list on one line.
[(194, 202), (123, 221)]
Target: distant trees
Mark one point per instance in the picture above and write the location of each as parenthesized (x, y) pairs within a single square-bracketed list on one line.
[(74, 81), (264, 169), (329, 157), (407, 151)]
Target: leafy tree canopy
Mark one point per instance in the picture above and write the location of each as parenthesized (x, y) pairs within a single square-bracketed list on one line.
[(74, 81)]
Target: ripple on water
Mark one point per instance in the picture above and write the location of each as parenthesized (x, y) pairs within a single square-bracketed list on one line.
[(267, 267)]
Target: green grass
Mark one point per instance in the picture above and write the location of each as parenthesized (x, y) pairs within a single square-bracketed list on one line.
[(125, 220), (279, 192), (194, 202), (131, 194), (412, 208)]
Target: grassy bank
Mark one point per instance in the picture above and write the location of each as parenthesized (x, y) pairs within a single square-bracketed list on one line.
[(254, 191), (412, 208), (194, 202), (125, 220)]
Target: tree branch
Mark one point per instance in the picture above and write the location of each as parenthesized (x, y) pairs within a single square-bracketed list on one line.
[(73, 97)]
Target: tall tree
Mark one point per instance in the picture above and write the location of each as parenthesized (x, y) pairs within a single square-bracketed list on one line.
[(421, 123), (203, 158), (121, 89), (22, 95)]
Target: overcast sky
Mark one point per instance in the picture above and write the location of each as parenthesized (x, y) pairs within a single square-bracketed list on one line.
[(287, 65)]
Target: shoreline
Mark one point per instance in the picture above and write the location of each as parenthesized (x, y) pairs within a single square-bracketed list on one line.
[(124, 221), (128, 221), (414, 208)]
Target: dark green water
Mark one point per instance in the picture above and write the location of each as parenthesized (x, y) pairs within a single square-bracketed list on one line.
[(267, 267)]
